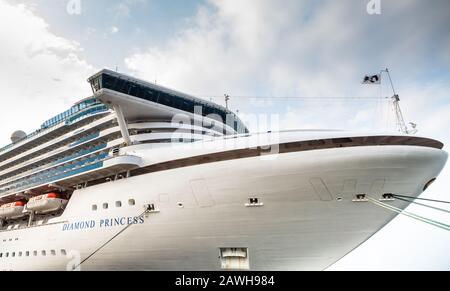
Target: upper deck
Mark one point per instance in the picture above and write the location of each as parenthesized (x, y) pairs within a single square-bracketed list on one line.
[(163, 102), (56, 126)]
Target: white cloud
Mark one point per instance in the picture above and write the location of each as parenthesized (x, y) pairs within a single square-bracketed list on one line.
[(114, 30), (255, 44), (41, 74), (296, 49)]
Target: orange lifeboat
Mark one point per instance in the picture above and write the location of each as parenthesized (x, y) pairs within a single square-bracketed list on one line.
[(12, 210), (47, 203)]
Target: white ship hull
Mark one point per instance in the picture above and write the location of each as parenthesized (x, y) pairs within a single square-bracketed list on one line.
[(303, 223)]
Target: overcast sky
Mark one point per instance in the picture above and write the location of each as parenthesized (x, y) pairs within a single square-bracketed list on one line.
[(257, 48)]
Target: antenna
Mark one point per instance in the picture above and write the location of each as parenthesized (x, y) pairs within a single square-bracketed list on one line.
[(401, 125), (227, 98)]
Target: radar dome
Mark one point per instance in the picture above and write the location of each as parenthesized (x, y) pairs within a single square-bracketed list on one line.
[(18, 136)]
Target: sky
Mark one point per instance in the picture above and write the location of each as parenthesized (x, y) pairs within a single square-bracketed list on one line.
[(259, 52)]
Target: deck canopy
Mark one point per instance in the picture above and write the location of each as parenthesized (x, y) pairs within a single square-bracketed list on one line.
[(114, 88)]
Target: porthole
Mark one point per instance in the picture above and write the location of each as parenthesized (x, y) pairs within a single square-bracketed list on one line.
[(131, 202)]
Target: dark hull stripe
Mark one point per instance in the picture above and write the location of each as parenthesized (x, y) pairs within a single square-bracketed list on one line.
[(290, 148)]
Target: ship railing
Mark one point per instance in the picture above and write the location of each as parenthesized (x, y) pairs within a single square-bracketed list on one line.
[(54, 163), (58, 174), (42, 131), (44, 170), (61, 174)]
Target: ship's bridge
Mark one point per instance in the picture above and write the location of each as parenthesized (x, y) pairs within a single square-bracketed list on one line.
[(139, 100)]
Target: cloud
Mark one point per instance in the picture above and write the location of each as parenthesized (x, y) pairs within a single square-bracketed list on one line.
[(300, 48), (41, 74), (114, 30)]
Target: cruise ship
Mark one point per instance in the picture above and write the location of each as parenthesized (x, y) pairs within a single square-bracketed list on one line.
[(142, 177)]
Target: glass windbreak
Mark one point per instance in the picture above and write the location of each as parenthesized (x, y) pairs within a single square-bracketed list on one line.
[(73, 110), (73, 114)]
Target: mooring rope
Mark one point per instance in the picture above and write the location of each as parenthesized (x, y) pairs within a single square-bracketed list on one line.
[(409, 214)]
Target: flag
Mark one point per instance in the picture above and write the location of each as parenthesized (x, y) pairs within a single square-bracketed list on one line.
[(373, 79)]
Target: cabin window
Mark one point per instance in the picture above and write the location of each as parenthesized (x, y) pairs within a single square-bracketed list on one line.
[(53, 252), (13, 254), (105, 205), (63, 252), (118, 203), (1, 255), (7, 255), (131, 202), (35, 253), (44, 253), (27, 254), (20, 254), (94, 207)]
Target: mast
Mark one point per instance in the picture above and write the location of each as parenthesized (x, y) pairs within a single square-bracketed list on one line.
[(401, 125)]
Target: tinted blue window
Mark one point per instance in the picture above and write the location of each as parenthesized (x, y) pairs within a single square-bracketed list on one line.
[(150, 94)]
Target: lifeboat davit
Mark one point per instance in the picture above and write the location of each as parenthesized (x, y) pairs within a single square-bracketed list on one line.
[(47, 203), (12, 210)]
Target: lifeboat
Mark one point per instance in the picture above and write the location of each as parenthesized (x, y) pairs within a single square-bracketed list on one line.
[(12, 210), (47, 203)]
